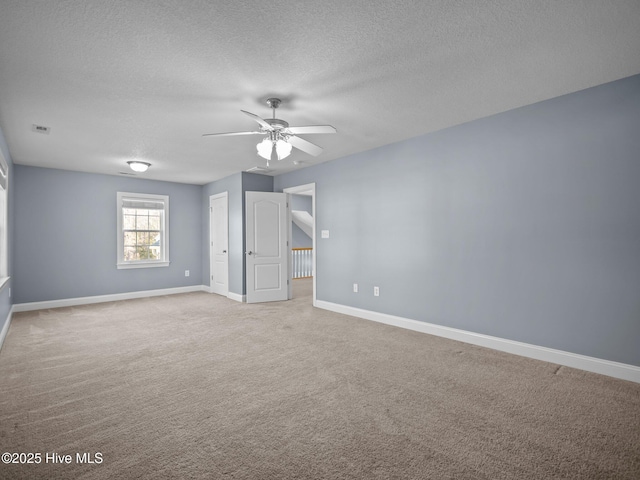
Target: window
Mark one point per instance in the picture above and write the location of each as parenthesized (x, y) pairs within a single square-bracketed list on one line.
[(143, 225), (4, 253)]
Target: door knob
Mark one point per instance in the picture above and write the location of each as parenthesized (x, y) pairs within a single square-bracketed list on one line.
[(224, 251), (249, 252)]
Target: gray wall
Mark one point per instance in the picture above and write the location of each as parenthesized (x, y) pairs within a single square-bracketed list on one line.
[(236, 186), (65, 231), (524, 225), (5, 298), (232, 185)]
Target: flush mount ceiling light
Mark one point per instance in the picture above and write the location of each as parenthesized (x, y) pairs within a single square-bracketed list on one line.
[(280, 137), (138, 166)]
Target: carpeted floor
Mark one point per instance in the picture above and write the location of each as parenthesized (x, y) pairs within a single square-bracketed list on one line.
[(199, 386)]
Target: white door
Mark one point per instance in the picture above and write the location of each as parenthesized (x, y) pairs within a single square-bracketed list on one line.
[(266, 247), (219, 245)]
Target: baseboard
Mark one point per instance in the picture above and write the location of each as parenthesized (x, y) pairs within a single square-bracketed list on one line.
[(230, 295), (5, 328), (237, 297), (70, 302), (582, 362)]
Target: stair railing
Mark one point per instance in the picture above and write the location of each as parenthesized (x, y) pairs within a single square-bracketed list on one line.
[(301, 261)]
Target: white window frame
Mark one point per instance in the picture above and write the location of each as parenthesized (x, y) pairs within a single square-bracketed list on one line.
[(4, 221), (164, 227)]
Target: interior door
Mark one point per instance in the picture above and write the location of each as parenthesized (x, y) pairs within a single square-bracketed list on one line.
[(267, 255), (219, 222)]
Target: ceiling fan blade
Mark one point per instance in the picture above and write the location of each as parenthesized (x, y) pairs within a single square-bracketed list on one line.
[(262, 123), (312, 129), (231, 134), (305, 146)]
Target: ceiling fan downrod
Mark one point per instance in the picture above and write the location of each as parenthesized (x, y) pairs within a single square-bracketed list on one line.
[(276, 123), (273, 104)]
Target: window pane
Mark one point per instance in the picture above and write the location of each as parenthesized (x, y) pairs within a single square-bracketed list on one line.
[(143, 252), (129, 253), (142, 222), (154, 253), (143, 238), (129, 211), (129, 238), (154, 238), (154, 222), (129, 222)]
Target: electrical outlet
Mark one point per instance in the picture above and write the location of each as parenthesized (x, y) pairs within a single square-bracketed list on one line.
[(376, 291), (355, 288), (186, 273)]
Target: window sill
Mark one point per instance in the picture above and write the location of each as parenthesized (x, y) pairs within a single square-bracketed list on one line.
[(141, 265)]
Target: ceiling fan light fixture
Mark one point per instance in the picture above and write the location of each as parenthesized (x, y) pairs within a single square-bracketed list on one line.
[(138, 166), (265, 148), (279, 135), (283, 149)]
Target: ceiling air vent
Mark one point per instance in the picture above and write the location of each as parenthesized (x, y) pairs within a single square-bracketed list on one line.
[(40, 129)]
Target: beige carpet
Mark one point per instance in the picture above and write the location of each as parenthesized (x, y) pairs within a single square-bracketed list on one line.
[(199, 386)]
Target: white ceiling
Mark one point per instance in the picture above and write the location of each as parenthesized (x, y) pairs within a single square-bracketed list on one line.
[(126, 79)]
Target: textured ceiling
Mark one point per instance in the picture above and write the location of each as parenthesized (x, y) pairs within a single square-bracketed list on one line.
[(145, 79)]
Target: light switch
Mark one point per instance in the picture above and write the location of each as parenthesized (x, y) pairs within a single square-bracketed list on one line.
[(325, 233)]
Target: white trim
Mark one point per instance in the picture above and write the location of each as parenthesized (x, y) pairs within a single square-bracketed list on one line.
[(141, 264), (70, 302), (582, 362), (5, 329), (230, 295), (237, 297)]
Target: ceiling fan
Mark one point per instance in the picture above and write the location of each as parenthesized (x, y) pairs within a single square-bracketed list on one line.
[(279, 136)]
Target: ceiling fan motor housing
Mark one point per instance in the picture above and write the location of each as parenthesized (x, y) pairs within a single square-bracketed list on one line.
[(277, 123)]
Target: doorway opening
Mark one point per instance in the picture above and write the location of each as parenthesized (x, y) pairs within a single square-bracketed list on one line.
[(302, 248)]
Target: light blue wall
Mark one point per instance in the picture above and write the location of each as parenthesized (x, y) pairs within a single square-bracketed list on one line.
[(236, 186), (5, 299), (232, 185), (65, 231), (524, 225)]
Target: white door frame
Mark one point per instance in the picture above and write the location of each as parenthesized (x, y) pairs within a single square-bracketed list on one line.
[(211, 257), (307, 189)]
